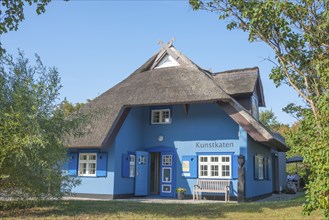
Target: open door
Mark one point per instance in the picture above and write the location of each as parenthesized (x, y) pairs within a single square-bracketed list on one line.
[(167, 182), (142, 173)]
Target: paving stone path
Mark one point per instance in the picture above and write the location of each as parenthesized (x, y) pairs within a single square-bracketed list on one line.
[(274, 197)]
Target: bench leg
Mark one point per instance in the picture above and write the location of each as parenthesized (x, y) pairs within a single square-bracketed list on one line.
[(195, 195)]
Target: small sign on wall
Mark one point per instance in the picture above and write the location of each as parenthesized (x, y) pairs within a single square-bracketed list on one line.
[(186, 166), (190, 166)]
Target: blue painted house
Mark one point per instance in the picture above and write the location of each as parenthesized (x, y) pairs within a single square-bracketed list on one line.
[(171, 122)]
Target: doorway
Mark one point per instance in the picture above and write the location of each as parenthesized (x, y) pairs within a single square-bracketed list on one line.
[(275, 173), (162, 178), (155, 173)]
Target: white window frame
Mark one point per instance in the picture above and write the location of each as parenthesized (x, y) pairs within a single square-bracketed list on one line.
[(162, 120), (132, 162), (211, 161), (88, 162), (166, 160), (262, 165), (260, 168), (166, 185), (170, 174)]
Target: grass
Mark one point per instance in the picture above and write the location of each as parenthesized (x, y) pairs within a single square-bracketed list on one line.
[(134, 210)]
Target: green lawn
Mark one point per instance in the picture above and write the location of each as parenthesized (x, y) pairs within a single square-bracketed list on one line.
[(134, 210)]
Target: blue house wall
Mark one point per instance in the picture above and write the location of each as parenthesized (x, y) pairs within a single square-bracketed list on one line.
[(98, 185), (203, 123), (256, 187), (129, 139), (186, 135)]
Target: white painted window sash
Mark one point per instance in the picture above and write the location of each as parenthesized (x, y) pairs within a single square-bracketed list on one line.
[(88, 165), (158, 116), (211, 166)]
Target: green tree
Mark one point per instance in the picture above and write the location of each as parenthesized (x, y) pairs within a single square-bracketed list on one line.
[(69, 108), (12, 13), (32, 130), (298, 33), (269, 119)]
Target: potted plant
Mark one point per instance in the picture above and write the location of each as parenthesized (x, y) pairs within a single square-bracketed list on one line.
[(180, 193)]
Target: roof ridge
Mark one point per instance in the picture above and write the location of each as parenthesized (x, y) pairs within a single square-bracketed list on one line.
[(237, 70)]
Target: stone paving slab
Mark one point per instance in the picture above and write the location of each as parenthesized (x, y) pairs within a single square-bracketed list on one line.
[(274, 197)]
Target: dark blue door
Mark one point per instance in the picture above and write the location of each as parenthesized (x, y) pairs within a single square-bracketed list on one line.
[(167, 174), (142, 175)]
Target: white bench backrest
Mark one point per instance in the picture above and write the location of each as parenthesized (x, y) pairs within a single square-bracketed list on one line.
[(216, 185)]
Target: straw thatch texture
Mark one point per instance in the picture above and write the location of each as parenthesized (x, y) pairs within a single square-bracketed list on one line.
[(183, 84), (172, 85), (241, 82)]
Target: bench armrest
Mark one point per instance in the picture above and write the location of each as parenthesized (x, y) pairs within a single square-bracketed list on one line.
[(197, 186)]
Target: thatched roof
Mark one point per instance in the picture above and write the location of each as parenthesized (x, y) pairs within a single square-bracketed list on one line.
[(240, 82), (148, 86)]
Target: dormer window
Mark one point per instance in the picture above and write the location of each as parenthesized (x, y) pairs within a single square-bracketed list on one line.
[(160, 116)]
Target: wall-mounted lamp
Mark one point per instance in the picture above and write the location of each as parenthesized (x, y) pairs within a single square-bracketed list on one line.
[(160, 138)]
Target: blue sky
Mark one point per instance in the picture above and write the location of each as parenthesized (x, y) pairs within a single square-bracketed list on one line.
[(96, 44)]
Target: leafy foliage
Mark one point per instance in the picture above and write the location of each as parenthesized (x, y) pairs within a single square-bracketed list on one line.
[(313, 146), (32, 130), (268, 118), (69, 108), (12, 13), (298, 33)]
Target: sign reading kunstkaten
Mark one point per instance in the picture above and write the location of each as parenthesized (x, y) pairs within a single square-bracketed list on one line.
[(214, 144)]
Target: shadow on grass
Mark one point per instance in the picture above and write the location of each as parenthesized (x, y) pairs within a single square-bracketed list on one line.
[(125, 209)]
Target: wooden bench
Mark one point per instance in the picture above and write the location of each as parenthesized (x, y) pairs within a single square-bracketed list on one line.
[(212, 186)]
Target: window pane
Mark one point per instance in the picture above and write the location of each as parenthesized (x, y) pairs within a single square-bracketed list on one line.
[(204, 170), (166, 160), (166, 188), (83, 157), (92, 157), (165, 116), (214, 170), (156, 116), (203, 159), (225, 159), (214, 159), (225, 170), (166, 176), (92, 171), (260, 168), (87, 164)]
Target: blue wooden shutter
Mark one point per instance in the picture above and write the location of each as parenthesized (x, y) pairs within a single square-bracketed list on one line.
[(193, 166), (125, 165), (101, 164), (73, 164), (256, 167), (235, 167)]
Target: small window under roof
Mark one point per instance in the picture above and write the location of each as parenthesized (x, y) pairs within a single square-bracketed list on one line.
[(167, 61)]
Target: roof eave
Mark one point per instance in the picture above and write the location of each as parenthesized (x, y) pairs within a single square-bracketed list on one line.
[(255, 129)]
